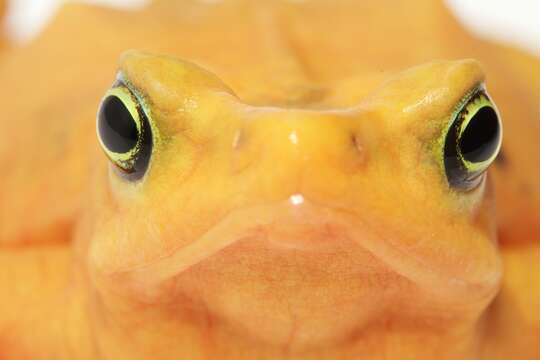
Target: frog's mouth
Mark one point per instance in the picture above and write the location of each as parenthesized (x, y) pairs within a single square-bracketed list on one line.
[(305, 273), (303, 226)]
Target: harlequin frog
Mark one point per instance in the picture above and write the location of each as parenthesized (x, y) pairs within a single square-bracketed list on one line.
[(268, 180)]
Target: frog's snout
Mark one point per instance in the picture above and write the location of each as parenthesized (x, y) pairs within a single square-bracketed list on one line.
[(299, 152)]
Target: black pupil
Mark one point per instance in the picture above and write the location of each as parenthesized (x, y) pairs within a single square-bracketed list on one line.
[(481, 136), (116, 126)]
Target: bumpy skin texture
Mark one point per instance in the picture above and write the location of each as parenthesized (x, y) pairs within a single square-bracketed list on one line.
[(208, 256)]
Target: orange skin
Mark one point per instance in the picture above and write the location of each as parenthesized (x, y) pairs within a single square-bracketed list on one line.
[(2, 35), (295, 206)]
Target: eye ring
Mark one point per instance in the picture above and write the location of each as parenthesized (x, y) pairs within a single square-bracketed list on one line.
[(472, 141), (124, 132)]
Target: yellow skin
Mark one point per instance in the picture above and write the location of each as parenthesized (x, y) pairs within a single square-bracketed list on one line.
[(296, 205)]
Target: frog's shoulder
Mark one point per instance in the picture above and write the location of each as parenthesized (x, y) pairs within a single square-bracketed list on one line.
[(2, 8), (3, 40), (523, 66), (48, 133), (515, 84)]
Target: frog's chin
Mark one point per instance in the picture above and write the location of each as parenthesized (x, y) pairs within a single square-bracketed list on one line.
[(312, 272)]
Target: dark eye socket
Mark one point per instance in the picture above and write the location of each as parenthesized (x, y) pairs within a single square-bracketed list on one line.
[(124, 132), (472, 142)]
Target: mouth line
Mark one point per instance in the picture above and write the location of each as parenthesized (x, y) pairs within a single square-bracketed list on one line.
[(297, 210)]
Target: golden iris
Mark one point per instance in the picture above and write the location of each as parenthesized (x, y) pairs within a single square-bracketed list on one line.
[(473, 140)]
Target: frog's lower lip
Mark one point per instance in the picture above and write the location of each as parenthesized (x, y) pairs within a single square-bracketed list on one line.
[(301, 213)]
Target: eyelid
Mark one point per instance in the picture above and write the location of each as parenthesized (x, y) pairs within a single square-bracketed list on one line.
[(472, 92)]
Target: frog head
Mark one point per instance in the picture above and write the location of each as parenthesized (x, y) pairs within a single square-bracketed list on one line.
[(296, 227)]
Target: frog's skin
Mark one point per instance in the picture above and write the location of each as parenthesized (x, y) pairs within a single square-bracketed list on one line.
[(295, 205), (2, 11)]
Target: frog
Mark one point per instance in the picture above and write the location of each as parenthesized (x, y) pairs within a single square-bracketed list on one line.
[(268, 180)]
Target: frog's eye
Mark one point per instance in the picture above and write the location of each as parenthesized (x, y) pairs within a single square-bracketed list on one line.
[(124, 132), (472, 141)]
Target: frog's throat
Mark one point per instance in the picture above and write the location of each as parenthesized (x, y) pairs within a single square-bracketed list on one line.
[(297, 209)]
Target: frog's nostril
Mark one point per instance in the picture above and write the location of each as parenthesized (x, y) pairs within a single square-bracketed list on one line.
[(356, 143), (359, 147)]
